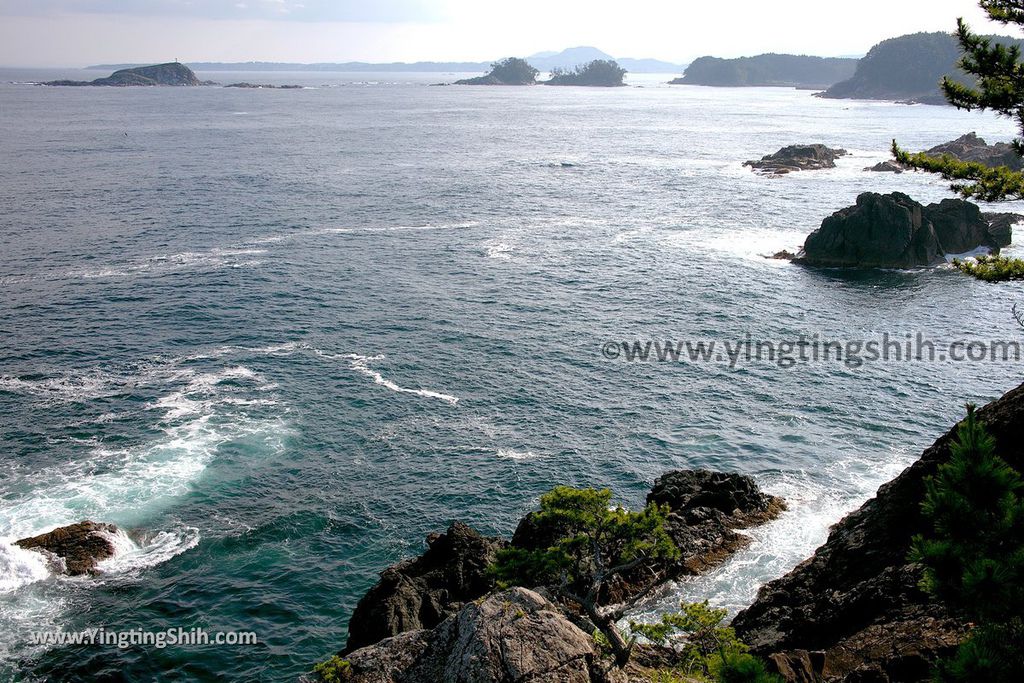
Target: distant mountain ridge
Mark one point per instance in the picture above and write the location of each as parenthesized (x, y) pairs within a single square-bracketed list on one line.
[(543, 61), (798, 71)]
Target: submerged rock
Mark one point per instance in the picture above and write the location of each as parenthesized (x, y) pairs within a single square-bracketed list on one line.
[(75, 549), (894, 231), (421, 592), (797, 158), (511, 636), (858, 600)]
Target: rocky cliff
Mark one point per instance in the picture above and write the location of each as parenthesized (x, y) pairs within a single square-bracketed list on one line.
[(854, 611)]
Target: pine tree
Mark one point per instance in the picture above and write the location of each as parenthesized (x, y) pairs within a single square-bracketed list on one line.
[(1000, 88), (973, 558), (593, 544)]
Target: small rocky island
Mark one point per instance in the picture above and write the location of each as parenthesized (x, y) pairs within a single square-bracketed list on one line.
[(510, 71), (894, 231), (797, 158), (171, 73)]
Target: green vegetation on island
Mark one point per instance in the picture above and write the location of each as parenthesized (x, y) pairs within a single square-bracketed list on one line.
[(598, 73), (510, 71), (171, 73), (998, 73), (797, 71), (907, 69)]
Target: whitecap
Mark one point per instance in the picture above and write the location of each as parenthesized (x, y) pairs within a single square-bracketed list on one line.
[(361, 365), (511, 454)]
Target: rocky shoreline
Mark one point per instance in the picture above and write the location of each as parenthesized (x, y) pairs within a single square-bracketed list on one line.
[(854, 611), (425, 611)]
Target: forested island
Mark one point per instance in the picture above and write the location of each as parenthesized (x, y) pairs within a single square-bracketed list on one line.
[(907, 69), (797, 71), (509, 71), (603, 73)]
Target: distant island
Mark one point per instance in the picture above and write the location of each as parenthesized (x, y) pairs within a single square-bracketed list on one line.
[(171, 73), (510, 71), (907, 69), (602, 73), (542, 61), (796, 71), (263, 86)]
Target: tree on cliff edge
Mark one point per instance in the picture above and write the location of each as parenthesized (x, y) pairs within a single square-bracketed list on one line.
[(1000, 87), (973, 558), (591, 544)]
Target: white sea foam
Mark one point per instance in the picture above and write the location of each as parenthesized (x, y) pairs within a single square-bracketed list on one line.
[(511, 454), (361, 364), (499, 250), (777, 547), (19, 567)]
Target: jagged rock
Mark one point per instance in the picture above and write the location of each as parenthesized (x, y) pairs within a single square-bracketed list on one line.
[(420, 592), (1000, 227), (784, 255), (960, 226), (797, 158), (894, 231), (512, 636), (858, 599), (970, 147), (76, 549), (886, 167)]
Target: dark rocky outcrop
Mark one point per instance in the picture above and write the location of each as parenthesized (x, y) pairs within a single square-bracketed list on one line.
[(886, 167), (512, 636), (171, 73), (421, 592), (894, 231), (76, 549), (706, 510), (1000, 226), (857, 601), (797, 158), (970, 147)]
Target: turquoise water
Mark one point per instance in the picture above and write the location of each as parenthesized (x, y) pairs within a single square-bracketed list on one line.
[(280, 336)]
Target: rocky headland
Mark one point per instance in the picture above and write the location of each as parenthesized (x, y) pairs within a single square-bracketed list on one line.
[(854, 611), (894, 231), (171, 73), (797, 158), (425, 614), (775, 70)]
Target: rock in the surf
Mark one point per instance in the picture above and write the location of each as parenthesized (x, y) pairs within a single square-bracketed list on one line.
[(75, 549)]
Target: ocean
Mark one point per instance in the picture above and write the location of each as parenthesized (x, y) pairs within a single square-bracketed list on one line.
[(279, 336)]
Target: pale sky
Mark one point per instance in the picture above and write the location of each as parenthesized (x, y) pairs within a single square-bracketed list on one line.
[(71, 33)]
